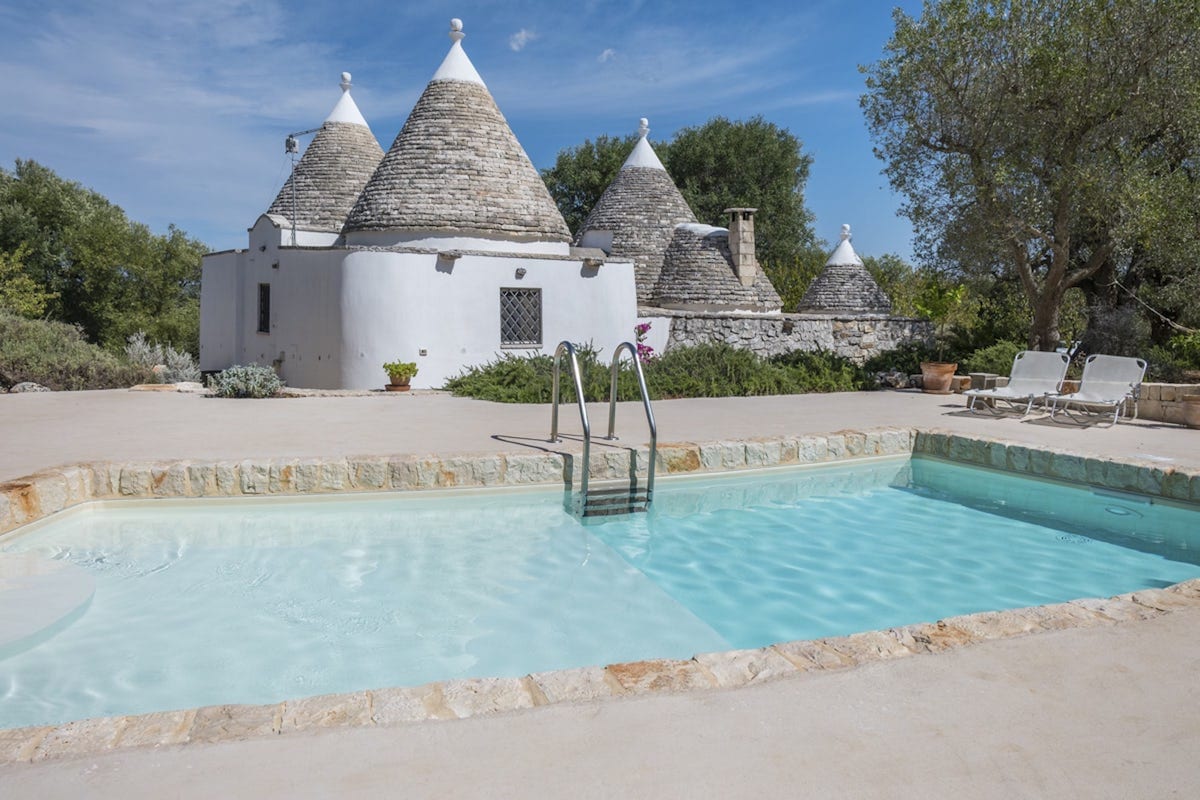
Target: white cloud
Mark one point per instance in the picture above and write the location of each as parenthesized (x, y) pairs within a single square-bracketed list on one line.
[(606, 55), (521, 38)]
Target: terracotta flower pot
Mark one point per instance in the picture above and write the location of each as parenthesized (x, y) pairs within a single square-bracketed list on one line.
[(936, 376), (398, 384)]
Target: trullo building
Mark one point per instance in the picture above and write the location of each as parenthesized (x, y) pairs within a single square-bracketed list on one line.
[(447, 250)]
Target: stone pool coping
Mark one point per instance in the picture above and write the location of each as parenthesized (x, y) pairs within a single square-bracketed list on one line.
[(48, 492)]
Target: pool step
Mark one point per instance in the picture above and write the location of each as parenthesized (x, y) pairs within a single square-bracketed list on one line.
[(611, 501)]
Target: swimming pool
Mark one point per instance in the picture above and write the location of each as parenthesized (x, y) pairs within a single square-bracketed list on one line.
[(211, 602)]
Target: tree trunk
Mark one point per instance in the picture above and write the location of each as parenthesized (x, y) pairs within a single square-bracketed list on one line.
[(1043, 334)]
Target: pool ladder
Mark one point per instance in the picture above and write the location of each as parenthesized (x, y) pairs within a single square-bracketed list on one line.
[(609, 499)]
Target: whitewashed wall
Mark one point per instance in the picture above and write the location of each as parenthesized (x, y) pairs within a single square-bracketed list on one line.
[(220, 298), (395, 305), (338, 315)]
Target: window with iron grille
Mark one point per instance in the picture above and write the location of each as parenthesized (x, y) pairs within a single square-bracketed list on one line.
[(520, 317)]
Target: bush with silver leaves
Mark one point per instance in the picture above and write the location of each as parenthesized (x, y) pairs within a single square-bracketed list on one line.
[(245, 380), (178, 366)]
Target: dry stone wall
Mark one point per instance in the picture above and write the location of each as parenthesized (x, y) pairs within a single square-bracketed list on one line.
[(856, 337)]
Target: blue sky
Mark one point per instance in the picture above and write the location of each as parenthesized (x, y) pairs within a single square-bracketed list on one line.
[(177, 109)]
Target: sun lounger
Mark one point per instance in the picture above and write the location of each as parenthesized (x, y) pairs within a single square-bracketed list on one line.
[(1109, 383), (1034, 375)]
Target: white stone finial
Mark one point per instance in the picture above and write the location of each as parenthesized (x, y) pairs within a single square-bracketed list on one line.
[(456, 31), (845, 233), (643, 127), (345, 84)]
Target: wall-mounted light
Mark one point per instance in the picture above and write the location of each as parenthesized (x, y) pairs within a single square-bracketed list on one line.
[(520, 272), (593, 263), (275, 265)]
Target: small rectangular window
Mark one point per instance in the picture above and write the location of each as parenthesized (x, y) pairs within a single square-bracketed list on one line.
[(520, 317), (264, 308)]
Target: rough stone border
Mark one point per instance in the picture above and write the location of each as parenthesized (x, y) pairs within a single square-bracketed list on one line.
[(44, 493), (48, 492), (1142, 476), (471, 697)]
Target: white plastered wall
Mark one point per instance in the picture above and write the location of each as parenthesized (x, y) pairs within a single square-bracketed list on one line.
[(220, 298), (302, 338), (338, 315), (443, 241), (394, 305)]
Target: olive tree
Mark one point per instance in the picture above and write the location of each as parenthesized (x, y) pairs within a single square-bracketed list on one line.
[(1040, 138)]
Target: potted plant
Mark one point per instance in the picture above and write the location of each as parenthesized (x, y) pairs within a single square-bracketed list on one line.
[(400, 373), (937, 301)]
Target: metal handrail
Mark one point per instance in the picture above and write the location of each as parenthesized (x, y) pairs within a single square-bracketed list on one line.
[(612, 407), (583, 417)]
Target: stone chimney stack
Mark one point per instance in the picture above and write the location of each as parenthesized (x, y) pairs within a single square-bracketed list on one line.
[(741, 244)]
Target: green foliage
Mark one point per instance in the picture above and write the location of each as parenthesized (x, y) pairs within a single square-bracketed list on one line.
[(898, 280), (713, 370), (178, 367), (581, 174), (56, 355), (402, 371), (751, 163), (823, 372), (791, 277), (514, 378), (96, 268), (718, 165), (939, 300), (1178, 361), (996, 358), (20, 293), (1049, 141), (245, 380)]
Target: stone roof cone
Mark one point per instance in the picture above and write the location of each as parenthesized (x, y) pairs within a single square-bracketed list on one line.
[(698, 274), (640, 209), (845, 285), (456, 167), (333, 170)]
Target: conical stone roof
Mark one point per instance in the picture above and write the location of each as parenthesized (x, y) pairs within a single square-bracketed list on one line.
[(698, 273), (456, 167), (333, 170), (640, 208), (844, 286)]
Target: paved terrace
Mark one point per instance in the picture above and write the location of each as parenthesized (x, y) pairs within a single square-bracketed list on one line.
[(1085, 712), (39, 431)]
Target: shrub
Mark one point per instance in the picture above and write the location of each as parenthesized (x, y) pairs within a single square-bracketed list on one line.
[(822, 371), (715, 370), (56, 355), (245, 380), (710, 370), (180, 366), (514, 378), (996, 358)]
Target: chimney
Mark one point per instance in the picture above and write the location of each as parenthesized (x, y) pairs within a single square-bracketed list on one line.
[(741, 244)]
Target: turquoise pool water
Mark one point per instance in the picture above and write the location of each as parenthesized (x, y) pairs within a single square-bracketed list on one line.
[(201, 603)]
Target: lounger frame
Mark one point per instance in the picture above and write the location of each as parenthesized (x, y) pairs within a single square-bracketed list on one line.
[(1034, 375), (1110, 384)]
